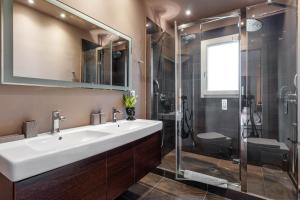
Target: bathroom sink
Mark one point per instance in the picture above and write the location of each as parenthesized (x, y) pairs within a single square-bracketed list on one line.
[(125, 126), (29, 157), (61, 141)]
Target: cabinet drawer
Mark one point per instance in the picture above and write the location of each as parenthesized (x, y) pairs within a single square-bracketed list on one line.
[(147, 155), (84, 180), (120, 169)]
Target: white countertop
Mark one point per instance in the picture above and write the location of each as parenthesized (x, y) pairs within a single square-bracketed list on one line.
[(29, 157)]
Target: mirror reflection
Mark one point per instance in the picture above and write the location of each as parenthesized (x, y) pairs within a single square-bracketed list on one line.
[(52, 44)]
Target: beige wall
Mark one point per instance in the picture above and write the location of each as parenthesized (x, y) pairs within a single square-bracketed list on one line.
[(19, 103)]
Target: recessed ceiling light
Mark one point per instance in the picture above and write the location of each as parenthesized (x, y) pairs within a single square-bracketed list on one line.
[(188, 12), (62, 15), (31, 1)]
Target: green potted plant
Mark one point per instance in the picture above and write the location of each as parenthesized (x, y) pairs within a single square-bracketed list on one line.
[(129, 101)]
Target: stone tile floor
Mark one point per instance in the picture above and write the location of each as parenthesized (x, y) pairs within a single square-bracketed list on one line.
[(267, 181), (155, 187)]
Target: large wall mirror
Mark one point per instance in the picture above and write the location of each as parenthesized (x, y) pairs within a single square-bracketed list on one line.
[(47, 43)]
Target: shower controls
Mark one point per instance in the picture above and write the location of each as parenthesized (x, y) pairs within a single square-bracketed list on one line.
[(292, 98), (287, 97), (224, 104)]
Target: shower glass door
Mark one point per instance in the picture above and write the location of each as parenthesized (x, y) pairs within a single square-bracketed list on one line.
[(269, 99), (161, 88), (208, 64)]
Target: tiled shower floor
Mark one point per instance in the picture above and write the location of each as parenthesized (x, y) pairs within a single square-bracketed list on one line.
[(155, 187), (264, 181)]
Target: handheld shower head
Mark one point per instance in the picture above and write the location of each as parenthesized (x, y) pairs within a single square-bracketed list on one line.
[(156, 83)]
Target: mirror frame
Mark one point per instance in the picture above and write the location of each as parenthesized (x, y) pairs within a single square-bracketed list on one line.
[(7, 77)]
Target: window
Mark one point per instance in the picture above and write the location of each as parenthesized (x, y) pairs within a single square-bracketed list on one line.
[(220, 67)]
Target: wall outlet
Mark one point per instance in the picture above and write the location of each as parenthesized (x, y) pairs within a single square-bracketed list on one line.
[(224, 104)]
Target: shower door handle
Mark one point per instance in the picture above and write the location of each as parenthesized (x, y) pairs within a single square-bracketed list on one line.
[(244, 132)]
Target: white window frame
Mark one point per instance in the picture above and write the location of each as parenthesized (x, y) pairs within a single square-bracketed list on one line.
[(204, 44)]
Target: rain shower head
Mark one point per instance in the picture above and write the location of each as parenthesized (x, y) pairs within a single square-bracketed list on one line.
[(277, 3), (253, 25)]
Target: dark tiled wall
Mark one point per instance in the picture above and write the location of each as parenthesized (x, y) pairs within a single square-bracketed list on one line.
[(164, 69), (276, 43)]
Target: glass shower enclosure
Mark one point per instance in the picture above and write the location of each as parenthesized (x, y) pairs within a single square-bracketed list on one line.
[(236, 100), (161, 82)]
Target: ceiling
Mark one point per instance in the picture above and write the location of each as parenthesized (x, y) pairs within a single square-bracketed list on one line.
[(172, 10)]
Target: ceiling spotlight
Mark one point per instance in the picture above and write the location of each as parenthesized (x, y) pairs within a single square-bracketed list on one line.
[(188, 12), (31, 1), (62, 15)]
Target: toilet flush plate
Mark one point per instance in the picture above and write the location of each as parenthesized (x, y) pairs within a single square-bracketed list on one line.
[(224, 104)]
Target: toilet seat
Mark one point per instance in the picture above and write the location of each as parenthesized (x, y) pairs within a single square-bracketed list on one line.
[(212, 137)]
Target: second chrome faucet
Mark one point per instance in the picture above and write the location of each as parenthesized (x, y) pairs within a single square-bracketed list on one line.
[(114, 114)]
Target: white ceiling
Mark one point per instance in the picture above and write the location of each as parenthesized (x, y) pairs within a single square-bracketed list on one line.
[(172, 10)]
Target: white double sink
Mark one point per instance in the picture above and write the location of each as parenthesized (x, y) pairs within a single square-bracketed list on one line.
[(29, 157)]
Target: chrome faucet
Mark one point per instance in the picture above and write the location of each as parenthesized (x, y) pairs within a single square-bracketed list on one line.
[(114, 114), (56, 118)]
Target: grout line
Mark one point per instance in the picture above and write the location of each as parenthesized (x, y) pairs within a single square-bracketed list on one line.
[(263, 177), (150, 190), (205, 195), (155, 186)]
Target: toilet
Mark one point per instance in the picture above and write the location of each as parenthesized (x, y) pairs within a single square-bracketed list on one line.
[(214, 143)]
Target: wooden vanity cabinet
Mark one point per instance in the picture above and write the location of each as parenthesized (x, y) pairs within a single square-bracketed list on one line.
[(101, 177), (81, 180), (120, 170), (6, 188)]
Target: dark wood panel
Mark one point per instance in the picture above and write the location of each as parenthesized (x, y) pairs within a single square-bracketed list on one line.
[(147, 155), (6, 188), (120, 169), (81, 180)]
